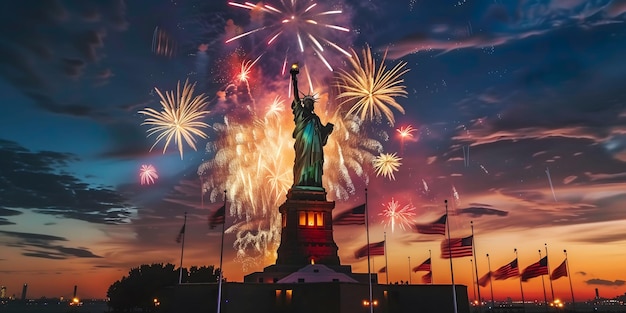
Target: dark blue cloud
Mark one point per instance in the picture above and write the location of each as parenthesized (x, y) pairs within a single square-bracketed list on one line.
[(37, 181), (42, 246)]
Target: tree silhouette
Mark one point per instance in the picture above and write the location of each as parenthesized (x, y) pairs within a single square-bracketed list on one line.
[(204, 274), (145, 283)]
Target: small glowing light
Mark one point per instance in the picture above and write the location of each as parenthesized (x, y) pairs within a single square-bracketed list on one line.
[(367, 303)]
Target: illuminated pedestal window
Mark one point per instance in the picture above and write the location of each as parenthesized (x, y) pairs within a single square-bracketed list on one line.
[(311, 219)]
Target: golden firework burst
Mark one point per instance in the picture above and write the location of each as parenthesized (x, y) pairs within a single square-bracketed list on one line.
[(180, 118), (386, 164), (370, 90)]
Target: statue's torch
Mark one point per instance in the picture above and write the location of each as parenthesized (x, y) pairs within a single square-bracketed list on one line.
[(295, 70)]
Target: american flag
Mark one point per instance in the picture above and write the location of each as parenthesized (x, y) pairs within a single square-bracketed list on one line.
[(428, 278), (560, 271), (355, 216), (484, 281), (179, 238), (437, 227), (536, 269), (457, 248), (376, 248), (425, 266), (507, 271), (218, 218)]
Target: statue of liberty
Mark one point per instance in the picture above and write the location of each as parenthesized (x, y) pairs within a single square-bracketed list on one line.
[(310, 136)]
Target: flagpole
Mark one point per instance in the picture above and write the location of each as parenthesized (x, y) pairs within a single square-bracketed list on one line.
[(219, 283), (182, 248), (480, 301), (410, 283), (450, 256), (473, 279), (548, 265), (430, 257), (520, 278), (369, 270), (543, 284), (386, 264), (570, 280), (490, 281)]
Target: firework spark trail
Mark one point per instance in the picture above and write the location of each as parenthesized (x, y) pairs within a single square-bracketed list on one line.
[(370, 90), (147, 174), (550, 181), (394, 214), (386, 164), (306, 24), (484, 169), (254, 162), (455, 194), (466, 156), (425, 185), (180, 118), (162, 44)]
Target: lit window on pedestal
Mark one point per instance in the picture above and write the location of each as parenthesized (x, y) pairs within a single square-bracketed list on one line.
[(284, 220), (302, 218), (310, 219), (319, 219), (288, 294), (279, 294)]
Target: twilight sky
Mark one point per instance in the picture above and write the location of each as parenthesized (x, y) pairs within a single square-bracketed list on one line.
[(508, 98)]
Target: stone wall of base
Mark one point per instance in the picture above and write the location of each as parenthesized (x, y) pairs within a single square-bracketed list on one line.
[(313, 298)]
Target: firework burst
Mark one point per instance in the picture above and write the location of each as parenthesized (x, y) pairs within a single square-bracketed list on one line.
[(370, 90), (386, 164), (406, 132), (180, 118), (246, 68), (304, 21), (147, 174), (394, 214)]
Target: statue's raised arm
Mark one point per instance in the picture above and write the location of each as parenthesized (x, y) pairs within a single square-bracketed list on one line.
[(294, 71), (310, 135)]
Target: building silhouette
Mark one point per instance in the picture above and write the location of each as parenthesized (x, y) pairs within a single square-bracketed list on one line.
[(24, 290)]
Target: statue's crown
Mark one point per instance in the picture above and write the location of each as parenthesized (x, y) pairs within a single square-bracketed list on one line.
[(309, 97)]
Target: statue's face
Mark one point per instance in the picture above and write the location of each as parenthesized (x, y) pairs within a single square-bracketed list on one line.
[(308, 104)]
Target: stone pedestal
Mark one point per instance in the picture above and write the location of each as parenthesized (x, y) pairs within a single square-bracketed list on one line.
[(307, 229), (306, 237)]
